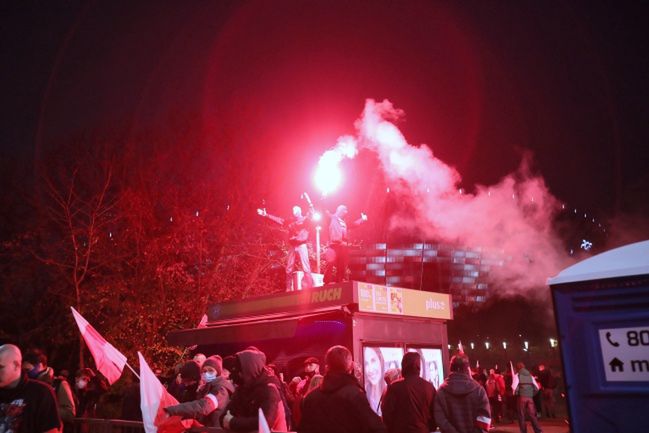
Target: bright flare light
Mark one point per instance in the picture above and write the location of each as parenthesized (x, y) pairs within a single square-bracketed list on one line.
[(328, 175), (316, 216)]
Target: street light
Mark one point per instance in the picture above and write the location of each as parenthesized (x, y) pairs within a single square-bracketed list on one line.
[(317, 250)]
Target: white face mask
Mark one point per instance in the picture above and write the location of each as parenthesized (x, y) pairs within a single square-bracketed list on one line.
[(208, 376), (81, 383)]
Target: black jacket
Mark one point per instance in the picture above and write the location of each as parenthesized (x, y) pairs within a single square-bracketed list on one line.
[(259, 390), (339, 405), (460, 400), (408, 406)]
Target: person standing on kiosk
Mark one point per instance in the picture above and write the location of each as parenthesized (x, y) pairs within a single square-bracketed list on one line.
[(338, 244), (298, 229)]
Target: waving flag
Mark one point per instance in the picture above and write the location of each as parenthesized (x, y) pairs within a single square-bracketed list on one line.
[(109, 361), (153, 399), (201, 324), (263, 424), (514, 378)]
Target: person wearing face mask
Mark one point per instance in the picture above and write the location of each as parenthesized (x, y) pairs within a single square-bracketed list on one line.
[(89, 388), (213, 395), (311, 372)]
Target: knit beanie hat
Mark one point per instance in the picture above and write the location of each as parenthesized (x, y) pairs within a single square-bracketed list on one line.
[(216, 362), (190, 370)]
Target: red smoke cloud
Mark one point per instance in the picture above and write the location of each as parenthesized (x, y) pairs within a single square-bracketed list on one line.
[(513, 218)]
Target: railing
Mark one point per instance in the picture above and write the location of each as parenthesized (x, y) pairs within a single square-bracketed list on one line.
[(100, 425)]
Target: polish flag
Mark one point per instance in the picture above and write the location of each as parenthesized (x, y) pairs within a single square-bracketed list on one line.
[(201, 324), (514, 378), (483, 422), (263, 424), (153, 399), (109, 361)]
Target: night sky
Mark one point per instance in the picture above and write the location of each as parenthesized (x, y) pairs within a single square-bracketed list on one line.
[(481, 83)]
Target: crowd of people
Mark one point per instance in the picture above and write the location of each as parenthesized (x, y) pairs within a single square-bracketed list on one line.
[(227, 392), (34, 399)]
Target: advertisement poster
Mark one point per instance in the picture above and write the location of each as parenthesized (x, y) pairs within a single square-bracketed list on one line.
[(431, 369), (376, 361)]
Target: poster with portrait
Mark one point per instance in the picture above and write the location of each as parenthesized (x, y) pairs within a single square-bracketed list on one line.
[(376, 361), (431, 369)]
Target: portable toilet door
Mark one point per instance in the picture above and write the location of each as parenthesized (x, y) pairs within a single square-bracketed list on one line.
[(602, 312)]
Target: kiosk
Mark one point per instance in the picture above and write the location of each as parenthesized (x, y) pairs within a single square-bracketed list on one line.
[(377, 323), (602, 311)]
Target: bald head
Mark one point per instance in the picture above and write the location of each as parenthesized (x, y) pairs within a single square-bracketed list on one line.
[(10, 362), (341, 211)]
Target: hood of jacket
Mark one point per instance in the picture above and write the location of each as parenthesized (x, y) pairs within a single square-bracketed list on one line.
[(332, 382), (524, 376), (252, 365), (46, 375), (459, 384)]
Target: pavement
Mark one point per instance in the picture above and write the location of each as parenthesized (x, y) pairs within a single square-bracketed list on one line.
[(547, 425)]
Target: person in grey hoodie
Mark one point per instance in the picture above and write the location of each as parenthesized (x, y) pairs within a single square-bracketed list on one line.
[(526, 390), (461, 404)]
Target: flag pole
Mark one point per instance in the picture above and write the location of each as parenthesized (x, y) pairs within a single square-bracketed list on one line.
[(131, 368)]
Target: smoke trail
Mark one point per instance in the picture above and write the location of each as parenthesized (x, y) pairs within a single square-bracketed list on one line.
[(513, 218)]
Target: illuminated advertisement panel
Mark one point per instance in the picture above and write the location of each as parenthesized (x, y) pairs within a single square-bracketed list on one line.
[(376, 361), (431, 364), (374, 298)]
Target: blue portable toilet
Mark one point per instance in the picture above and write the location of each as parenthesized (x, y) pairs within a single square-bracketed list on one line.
[(601, 308)]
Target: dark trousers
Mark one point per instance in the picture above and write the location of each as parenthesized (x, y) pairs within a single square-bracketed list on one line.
[(340, 262), (548, 402), (527, 409), (496, 408)]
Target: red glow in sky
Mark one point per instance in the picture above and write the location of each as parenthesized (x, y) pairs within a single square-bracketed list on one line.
[(280, 81)]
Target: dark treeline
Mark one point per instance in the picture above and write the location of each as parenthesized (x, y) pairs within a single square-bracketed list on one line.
[(139, 234)]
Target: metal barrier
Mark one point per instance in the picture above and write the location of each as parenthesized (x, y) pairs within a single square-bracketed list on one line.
[(100, 425)]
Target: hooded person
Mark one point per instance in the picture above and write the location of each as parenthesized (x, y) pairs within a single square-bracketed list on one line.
[(185, 386), (408, 403), (461, 405), (256, 388), (212, 396), (339, 404)]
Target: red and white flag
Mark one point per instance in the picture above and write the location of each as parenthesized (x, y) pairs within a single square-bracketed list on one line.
[(515, 379), (153, 399), (109, 361), (482, 422), (201, 324), (262, 426)]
